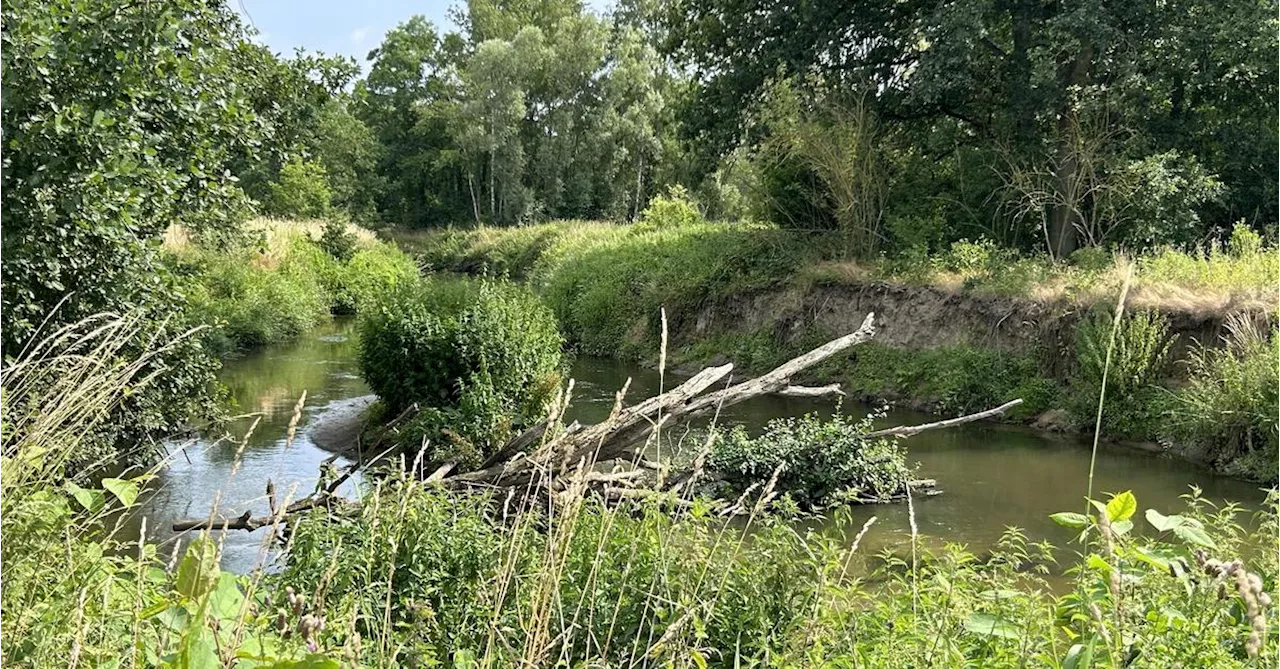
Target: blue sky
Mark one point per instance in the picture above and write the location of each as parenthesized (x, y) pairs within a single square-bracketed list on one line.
[(349, 27)]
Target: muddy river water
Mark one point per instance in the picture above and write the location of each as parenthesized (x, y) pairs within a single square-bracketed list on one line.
[(993, 476)]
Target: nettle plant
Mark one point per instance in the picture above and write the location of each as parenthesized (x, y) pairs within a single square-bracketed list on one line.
[(1157, 594)]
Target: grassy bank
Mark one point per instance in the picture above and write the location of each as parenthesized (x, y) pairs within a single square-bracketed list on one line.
[(282, 278), (607, 283)]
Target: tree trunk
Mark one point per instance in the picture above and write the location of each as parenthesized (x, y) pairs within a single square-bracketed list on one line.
[(635, 207), (1064, 234), (471, 186)]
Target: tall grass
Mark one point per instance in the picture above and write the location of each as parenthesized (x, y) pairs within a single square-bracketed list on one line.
[(417, 575)]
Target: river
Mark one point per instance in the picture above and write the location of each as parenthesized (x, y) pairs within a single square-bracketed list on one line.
[(993, 476)]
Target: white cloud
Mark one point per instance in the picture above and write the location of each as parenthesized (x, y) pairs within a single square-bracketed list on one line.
[(358, 35)]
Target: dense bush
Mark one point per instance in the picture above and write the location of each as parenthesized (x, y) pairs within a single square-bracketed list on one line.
[(1227, 411), (337, 240), (825, 462), (257, 295), (104, 148), (1134, 399), (300, 191), (676, 209), (478, 358), (951, 380)]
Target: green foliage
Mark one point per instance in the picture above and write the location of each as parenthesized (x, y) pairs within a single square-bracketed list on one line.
[(337, 241), (422, 574), (1134, 401), (823, 462), (479, 359), (119, 121), (1086, 112), (952, 380), (1227, 411), (300, 191), (254, 296), (1167, 194), (1244, 242), (607, 293), (674, 210)]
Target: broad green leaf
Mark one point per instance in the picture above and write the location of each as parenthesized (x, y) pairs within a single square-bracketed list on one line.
[(1096, 562), (199, 650), (464, 659), (1121, 507), (1122, 527), (1159, 556), (199, 569), (125, 491), (1079, 656), (1160, 521), (1069, 519), (174, 617), (986, 624), (1194, 533), (1187, 529), (91, 500), (226, 600)]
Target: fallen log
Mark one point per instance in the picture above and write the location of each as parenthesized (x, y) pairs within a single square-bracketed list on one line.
[(545, 464), (806, 391)]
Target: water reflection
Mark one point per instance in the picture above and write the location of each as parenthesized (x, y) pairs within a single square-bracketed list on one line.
[(993, 476), (265, 386)]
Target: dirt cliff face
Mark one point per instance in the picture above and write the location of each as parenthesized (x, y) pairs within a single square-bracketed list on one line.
[(922, 317)]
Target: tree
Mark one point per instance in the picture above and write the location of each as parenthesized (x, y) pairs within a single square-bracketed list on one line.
[(1013, 79), (118, 121)]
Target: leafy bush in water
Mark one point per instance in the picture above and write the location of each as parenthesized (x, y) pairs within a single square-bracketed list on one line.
[(1227, 412), (1134, 399), (479, 358), (824, 461)]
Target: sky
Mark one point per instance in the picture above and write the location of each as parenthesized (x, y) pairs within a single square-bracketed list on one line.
[(346, 27)]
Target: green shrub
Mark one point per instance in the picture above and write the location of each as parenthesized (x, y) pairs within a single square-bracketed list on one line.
[(825, 462), (951, 380), (1244, 242), (338, 241), (252, 305), (479, 358), (300, 191), (1134, 400), (676, 209), (1227, 412), (255, 296)]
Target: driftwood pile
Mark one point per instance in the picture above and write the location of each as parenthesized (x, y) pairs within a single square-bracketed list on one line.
[(550, 460)]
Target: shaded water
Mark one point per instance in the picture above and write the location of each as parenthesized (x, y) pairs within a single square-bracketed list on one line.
[(994, 476)]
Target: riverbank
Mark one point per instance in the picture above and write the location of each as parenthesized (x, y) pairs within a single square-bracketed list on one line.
[(280, 278), (962, 331)]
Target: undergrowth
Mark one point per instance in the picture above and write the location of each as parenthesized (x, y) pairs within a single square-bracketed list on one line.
[(283, 280), (417, 575)]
